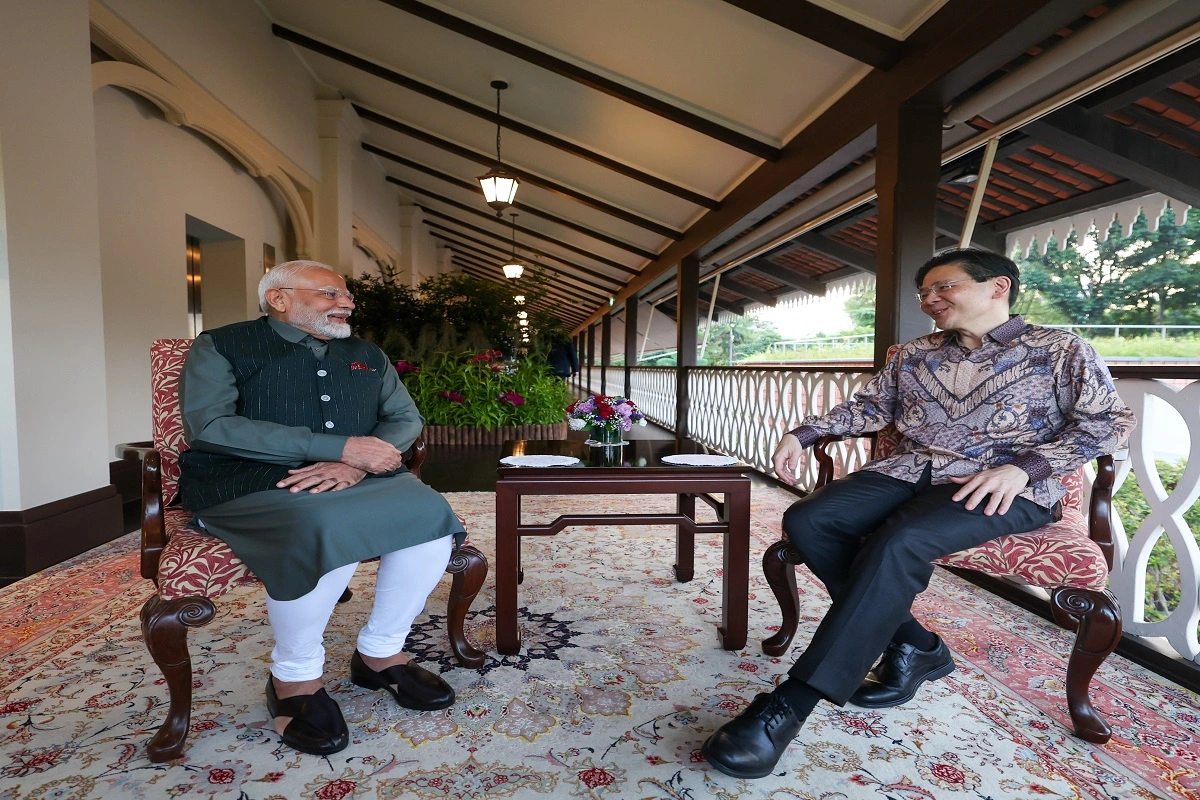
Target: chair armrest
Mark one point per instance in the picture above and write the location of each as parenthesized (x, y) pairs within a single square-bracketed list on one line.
[(825, 461), (1100, 506), (414, 457), (154, 531)]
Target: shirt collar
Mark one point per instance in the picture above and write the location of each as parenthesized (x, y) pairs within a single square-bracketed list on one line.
[(289, 332), (1004, 333), (1008, 331)]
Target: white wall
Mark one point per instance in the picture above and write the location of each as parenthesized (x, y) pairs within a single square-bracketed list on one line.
[(376, 202), (151, 176), (52, 442), (227, 47)]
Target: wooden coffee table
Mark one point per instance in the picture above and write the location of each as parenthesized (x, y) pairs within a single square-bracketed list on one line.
[(636, 468)]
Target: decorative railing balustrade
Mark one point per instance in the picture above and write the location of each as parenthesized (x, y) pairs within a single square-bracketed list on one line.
[(743, 411)]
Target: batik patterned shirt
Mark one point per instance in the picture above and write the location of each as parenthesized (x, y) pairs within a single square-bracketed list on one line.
[(1038, 398)]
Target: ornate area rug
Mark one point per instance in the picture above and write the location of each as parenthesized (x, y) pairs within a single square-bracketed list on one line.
[(620, 681)]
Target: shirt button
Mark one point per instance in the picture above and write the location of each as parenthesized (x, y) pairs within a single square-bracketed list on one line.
[(322, 373), (329, 424), (325, 398)]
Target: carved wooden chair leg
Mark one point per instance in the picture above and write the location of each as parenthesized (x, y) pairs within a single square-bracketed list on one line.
[(469, 568), (1096, 619), (165, 626), (779, 567)]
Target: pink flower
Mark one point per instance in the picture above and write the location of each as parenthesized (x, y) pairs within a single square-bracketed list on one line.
[(453, 397), (405, 368), (512, 398)]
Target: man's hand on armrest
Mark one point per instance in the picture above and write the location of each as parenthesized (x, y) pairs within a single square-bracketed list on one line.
[(371, 454), (787, 457)]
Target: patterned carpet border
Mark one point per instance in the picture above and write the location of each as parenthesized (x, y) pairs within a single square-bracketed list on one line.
[(620, 681)]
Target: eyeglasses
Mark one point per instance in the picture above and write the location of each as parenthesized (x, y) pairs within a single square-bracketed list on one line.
[(941, 287), (329, 294)]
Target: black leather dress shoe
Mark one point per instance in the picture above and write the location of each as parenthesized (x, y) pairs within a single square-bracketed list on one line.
[(413, 687), (317, 726), (750, 745), (901, 671)]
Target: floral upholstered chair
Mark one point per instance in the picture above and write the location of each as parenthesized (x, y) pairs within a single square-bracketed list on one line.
[(1071, 558), (190, 568)]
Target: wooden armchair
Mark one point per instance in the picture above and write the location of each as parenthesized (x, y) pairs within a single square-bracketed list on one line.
[(1071, 558), (191, 569)]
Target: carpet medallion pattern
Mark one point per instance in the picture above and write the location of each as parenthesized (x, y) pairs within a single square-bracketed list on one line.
[(619, 682)]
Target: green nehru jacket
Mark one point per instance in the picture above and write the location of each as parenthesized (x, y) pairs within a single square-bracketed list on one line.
[(262, 397)]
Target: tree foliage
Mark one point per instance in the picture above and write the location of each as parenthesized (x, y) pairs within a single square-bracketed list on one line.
[(750, 336), (1146, 277)]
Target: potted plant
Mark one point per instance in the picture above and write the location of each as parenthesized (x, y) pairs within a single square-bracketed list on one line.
[(605, 417), (482, 398), (474, 372)]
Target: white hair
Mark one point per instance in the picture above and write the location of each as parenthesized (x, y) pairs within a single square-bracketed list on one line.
[(282, 275)]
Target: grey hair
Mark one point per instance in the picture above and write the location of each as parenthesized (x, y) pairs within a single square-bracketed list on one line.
[(282, 275)]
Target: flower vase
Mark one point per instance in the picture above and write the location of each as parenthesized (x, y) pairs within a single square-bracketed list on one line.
[(605, 437)]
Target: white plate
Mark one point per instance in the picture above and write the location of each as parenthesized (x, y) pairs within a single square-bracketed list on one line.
[(700, 460), (539, 461)]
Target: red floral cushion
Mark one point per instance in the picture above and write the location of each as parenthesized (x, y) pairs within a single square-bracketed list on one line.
[(1058, 554), (196, 563), (166, 363)]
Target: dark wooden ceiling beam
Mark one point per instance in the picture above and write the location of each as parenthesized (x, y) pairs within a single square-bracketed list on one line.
[(951, 225), (825, 27), (567, 315), (592, 80), (493, 261), (704, 301), (1079, 204), (526, 177), (1168, 126), (412, 187), (491, 272), (837, 251), (1180, 65), (485, 112), (1121, 151), (962, 42), (749, 292), (763, 266), (605, 290), (523, 207)]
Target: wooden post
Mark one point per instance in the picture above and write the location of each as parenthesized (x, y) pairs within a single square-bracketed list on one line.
[(605, 350), (591, 356), (631, 334), (908, 155), (687, 320)]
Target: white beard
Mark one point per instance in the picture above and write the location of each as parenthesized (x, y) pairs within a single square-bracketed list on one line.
[(319, 324)]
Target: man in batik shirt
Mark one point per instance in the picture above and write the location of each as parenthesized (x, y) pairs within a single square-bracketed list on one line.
[(991, 414)]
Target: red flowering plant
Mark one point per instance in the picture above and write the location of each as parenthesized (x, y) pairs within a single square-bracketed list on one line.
[(604, 412), (483, 388)]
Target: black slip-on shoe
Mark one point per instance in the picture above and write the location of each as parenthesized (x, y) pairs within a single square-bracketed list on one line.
[(413, 686), (317, 726)]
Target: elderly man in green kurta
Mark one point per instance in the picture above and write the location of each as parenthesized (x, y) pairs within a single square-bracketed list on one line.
[(296, 431)]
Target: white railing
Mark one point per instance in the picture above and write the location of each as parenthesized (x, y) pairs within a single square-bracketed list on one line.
[(745, 411), (1168, 415)]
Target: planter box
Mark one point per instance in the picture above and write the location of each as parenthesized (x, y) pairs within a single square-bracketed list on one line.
[(451, 434)]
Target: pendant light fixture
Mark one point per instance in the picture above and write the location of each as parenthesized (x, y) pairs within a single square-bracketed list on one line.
[(514, 267), (498, 184)]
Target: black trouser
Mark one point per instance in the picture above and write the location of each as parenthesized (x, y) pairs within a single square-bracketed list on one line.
[(871, 539)]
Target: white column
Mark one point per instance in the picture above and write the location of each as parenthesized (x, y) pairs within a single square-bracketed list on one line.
[(411, 261), (53, 415), (341, 134)]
